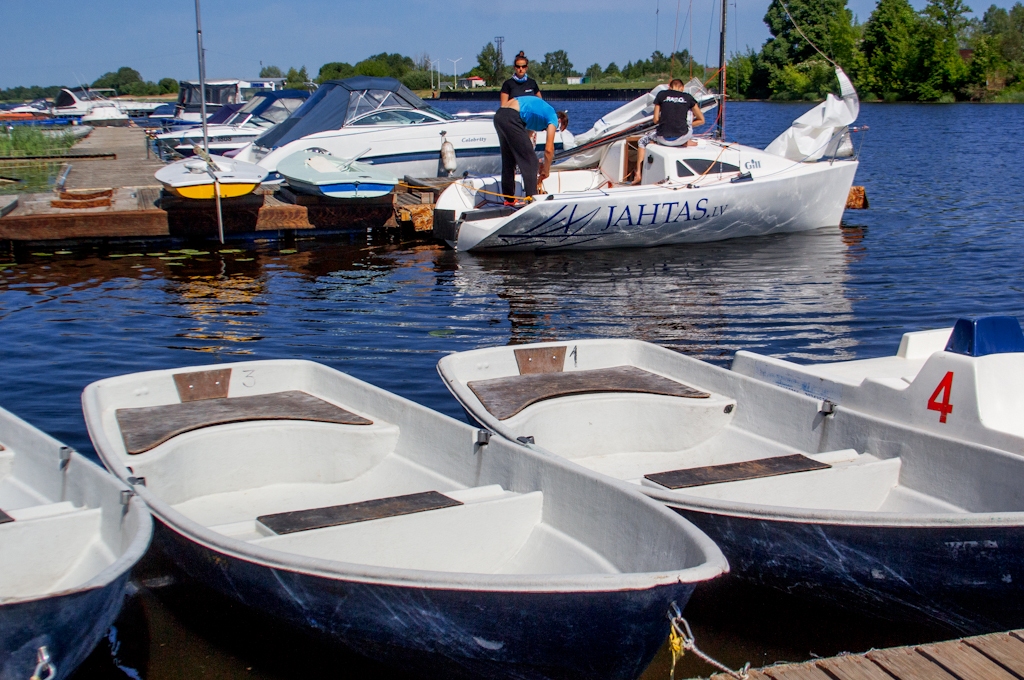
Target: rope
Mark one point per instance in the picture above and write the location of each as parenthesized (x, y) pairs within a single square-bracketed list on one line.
[(797, 27), (681, 640), (472, 188)]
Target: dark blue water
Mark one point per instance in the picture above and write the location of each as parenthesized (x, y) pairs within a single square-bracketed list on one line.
[(942, 239)]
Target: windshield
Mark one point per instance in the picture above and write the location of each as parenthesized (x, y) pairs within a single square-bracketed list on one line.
[(266, 112), (440, 114)]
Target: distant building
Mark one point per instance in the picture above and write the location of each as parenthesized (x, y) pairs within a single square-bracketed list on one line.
[(471, 82), (576, 80)]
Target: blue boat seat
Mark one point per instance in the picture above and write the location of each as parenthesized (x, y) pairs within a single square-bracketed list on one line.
[(978, 337)]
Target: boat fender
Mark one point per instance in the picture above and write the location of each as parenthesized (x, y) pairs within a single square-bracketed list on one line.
[(448, 160)]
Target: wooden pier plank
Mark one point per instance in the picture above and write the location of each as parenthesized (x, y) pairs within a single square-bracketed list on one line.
[(852, 667), (907, 664), (1003, 647), (800, 671), (964, 661)]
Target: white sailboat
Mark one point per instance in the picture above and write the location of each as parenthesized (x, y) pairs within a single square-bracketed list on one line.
[(711, 191)]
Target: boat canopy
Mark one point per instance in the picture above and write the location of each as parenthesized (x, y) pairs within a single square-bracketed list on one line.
[(218, 92), (338, 102), (267, 109), (69, 96)]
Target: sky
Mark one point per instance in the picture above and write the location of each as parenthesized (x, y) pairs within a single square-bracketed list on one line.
[(67, 43)]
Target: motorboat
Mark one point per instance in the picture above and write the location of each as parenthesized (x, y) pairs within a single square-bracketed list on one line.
[(321, 175), (76, 102), (218, 93), (235, 130), (957, 382), (829, 504), (404, 134), (69, 535), (105, 116), (349, 511), (206, 176), (710, 190)]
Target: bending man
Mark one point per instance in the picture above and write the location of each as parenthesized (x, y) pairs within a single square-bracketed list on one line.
[(513, 122)]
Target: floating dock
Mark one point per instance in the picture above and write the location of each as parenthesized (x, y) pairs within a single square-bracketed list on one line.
[(109, 192), (996, 656)]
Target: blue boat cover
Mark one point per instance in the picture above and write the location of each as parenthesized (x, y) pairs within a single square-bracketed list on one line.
[(986, 335), (335, 103)]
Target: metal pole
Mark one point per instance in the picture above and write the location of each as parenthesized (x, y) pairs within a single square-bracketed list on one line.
[(455, 75), (720, 132), (210, 166), (202, 78)]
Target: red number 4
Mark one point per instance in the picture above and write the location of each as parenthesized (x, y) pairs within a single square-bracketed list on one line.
[(943, 407)]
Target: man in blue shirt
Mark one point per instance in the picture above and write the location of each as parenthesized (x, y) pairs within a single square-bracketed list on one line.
[(513, 123)]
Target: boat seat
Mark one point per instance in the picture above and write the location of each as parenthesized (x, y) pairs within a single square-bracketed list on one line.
[(507, 396), (147, 427), (335, 515), (735, 472)]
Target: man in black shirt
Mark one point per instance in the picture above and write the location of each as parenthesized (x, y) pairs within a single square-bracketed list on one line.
[(671, 107), (520, 84)]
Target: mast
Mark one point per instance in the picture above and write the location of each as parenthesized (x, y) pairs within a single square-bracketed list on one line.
[(720, 130), (202, 79)]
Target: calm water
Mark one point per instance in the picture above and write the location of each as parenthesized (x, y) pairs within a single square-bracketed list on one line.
[(943, 238)]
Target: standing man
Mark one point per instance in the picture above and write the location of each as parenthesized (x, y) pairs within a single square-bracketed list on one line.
[(520, 84), (513, 122), (671, 107)]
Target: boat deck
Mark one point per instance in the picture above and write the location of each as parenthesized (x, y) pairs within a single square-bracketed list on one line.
[(996, 656)]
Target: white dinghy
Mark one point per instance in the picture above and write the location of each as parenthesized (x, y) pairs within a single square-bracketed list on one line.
[(69, 535), (340, 507), (961, 382), (712, 191), (824, 503)]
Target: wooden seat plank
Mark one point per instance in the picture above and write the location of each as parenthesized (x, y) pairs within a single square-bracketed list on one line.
[(5, 518), (906, 662), (350, 513), (1004, 648), (852, 667), (505, 397), (735, 472), (149, 426), (964, 661)]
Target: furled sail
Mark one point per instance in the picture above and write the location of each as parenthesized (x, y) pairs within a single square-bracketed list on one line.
[(817, 132)]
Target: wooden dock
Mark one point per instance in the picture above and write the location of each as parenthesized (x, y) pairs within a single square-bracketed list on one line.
[(114, 170), (997, 656)]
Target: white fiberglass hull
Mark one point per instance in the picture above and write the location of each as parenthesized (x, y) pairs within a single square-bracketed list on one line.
[(808, 196), (413, 150)]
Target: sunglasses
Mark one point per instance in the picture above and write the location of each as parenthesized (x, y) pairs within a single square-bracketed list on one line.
[(521, 65)]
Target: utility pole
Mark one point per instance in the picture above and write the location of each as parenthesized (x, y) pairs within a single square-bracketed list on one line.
[(455, 75), (500, 71)]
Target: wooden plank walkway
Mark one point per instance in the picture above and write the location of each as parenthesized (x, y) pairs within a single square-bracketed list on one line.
[(997, 656), (131, 168)]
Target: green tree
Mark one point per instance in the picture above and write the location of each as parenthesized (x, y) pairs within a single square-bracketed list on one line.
[(335, 70), (271, 72), (168, 85), (296, 79), (556, 65), (120, 80), (594, 73), (490, 65), (941, 73), (740, 74), (889, 49), (828, 24), (385, 65)]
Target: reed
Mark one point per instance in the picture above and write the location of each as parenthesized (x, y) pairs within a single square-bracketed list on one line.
[(19, 142)]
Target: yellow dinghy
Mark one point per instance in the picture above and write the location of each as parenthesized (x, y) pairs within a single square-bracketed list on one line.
[(202, 177)]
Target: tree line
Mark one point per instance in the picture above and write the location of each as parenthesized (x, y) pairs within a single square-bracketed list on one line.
[(936, 55)]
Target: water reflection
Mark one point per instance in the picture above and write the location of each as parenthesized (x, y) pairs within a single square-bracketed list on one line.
[(707, 300)]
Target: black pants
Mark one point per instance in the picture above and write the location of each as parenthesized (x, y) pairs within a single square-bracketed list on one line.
[(516, 149)]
